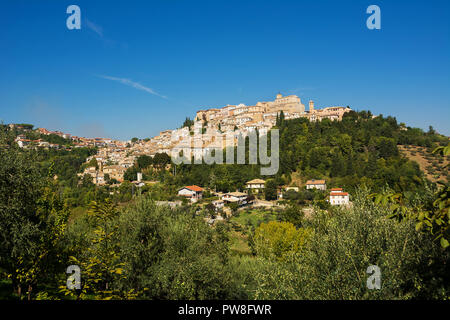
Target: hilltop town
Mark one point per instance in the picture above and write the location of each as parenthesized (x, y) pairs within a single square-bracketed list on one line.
[(332, 162), (215, 124), (211, 128), (223, 156)]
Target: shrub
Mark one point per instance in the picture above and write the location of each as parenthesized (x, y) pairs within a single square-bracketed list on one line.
[(276, 240), (173, 254), (334, 261)]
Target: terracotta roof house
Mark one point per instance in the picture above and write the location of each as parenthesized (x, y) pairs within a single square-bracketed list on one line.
[(338, 197), (238, 197), (255, 184), (192, 192), (316, 184)]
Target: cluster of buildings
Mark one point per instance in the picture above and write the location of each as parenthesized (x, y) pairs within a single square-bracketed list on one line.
[(84, 142), (112, 165), (336, 197), (218, 128), (77, 142), (264, 114), (112, 159), (214, 128), (100, 173), (25, 143), (194, 193)]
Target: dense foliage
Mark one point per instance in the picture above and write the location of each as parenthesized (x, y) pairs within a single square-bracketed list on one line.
[(344, 244), (360, 149), (129, 247)]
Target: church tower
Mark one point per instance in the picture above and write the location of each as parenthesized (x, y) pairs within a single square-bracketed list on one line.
[(311, 106)]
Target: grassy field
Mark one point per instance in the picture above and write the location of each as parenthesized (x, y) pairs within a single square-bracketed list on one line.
[(244, 220), (254, 217), (239, 243)]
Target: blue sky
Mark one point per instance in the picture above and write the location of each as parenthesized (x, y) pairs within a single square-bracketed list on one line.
[(139, 67)]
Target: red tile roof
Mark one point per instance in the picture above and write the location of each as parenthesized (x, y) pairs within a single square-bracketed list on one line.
[(315, 181), (339, 194), (194, 188)]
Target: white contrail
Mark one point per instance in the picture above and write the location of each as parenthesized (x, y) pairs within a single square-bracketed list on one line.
[(94, 27), (133, 84)]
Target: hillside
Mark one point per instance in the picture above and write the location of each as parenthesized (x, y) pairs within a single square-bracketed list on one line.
[(431, 164)]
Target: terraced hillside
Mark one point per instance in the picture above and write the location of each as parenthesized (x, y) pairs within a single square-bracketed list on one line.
[(432, 164)]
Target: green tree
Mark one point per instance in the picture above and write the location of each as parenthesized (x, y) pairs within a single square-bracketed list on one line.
[(20, 226), (144, 161), (160, 160), (270, 190), (100, 263), (293, 214), (277, 240), (175, 254), (187, 123), (131, 174), (32, 219), (334, 260)]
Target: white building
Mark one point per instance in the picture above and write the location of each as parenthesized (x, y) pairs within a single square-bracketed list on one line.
[(256, 185), (235, 197), (316, 184), (194, 193), (218, 204), (338, 197)]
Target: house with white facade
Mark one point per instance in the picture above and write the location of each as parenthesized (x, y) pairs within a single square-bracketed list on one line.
[(235, 197), (316, 184), (218, 204), (256, 185), (338, 197), (194, 193)]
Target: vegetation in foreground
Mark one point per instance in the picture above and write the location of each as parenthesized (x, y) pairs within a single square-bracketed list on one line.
[(148, 252), (142, 251)]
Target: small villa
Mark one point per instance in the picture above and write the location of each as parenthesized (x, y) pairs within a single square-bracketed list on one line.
[(218, 204), (338, 197), (316, 184), (235, 197), (256, 185), (194, 193)]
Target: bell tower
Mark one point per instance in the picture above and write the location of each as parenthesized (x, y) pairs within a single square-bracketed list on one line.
[(311, 106)]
